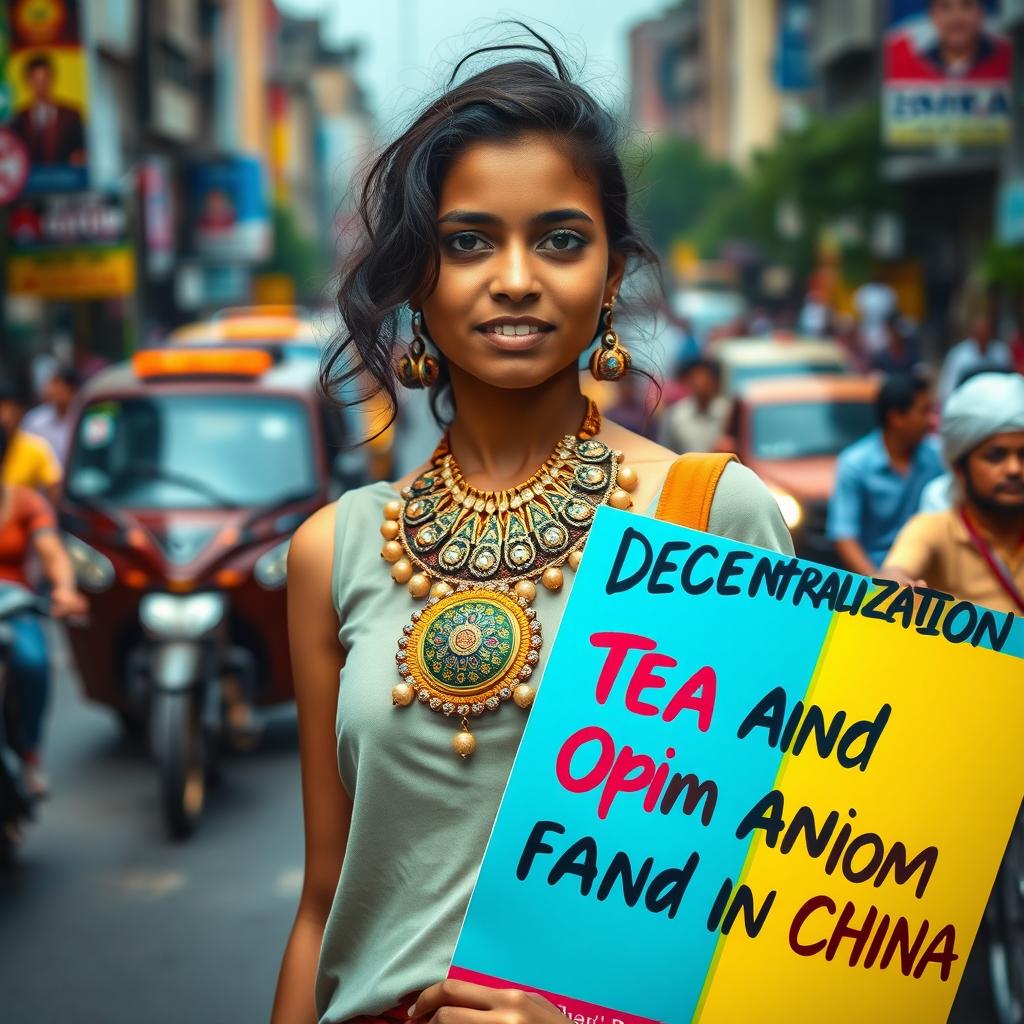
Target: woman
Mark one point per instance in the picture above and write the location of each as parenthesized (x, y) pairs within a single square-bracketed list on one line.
[(27, 526), (500, 218)]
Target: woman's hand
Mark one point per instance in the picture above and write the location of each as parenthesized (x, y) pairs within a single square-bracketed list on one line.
[(65, 601), (462, 1002)]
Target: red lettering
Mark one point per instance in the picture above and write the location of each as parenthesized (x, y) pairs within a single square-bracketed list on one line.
[(698, 694), (605, 759), (622, 780), (619, 645), (644, 679), (813, 904)]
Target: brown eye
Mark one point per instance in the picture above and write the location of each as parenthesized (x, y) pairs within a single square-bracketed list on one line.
[(563, 241), (465, 242)]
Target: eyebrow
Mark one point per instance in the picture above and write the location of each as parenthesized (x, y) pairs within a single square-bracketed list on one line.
[(547, 217)]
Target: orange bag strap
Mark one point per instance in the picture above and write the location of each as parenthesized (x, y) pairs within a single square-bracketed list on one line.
[(690, 488)]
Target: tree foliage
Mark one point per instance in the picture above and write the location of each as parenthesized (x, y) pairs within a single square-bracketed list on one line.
[(674, 181), (823, 178)]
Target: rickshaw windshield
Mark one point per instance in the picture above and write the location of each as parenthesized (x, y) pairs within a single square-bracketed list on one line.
[(192, 451)]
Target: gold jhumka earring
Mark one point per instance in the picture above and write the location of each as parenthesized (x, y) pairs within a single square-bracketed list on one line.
[(416, 369), (611, 361)]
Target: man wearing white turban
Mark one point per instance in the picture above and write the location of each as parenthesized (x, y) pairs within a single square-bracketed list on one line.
[(975, 550)]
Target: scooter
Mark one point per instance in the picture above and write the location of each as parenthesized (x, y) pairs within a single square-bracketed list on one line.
[(17, 807)]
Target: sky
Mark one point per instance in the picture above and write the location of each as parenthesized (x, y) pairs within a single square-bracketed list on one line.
[(411, 45)]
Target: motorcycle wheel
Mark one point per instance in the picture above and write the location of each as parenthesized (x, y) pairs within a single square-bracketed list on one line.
[(1005, 920), (180, 747)]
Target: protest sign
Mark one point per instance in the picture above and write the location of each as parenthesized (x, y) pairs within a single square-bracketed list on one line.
[(750, 787)]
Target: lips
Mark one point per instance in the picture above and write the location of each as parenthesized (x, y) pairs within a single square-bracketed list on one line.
[(515, 334)]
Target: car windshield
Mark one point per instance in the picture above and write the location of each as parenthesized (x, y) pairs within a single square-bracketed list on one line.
[(192, 451), (800, 429), (740, 376)]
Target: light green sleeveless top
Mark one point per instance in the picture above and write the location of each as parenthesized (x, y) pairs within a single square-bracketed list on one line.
[(420, 816)]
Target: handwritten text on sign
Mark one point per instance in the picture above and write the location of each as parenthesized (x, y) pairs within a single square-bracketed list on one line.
[(745, 782)]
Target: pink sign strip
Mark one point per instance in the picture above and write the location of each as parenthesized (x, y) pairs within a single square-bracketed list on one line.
[(576, 1010)]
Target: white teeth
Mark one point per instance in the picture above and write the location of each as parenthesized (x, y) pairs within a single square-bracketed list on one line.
[(512, 330)]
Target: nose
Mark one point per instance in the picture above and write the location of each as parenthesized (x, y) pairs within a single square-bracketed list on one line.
[(514, 279)]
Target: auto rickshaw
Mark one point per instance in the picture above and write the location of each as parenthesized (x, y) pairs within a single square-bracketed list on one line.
[(190, 468)]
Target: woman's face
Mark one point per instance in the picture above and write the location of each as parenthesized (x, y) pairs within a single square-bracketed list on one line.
[(525, 263)]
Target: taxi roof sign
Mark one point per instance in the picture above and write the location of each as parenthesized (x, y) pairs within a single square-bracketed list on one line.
[(206, 362)]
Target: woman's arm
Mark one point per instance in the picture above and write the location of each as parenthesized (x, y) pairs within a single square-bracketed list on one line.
[(317, 658)]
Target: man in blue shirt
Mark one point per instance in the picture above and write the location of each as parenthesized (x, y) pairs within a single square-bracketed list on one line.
[(879, 478)]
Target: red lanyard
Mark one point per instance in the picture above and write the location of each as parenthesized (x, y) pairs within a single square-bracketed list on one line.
[(994, 562)]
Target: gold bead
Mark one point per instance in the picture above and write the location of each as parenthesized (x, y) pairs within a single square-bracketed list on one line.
[(524, 588), (419, 585), (620, 499), (402, 695), (575, 557), (627, 478), (440, 589), (392, 509), (552, 578), (392, 551), (464, 743), (389, 529), (401, 571), (523, 695)]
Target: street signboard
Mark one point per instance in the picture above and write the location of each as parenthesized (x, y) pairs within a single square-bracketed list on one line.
[(750, 787)]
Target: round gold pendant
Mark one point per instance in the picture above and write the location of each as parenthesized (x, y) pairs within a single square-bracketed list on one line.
[(465, 653)]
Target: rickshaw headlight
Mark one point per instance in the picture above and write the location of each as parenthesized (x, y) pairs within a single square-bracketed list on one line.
[(181, 618), (94, 572), (271, 569)]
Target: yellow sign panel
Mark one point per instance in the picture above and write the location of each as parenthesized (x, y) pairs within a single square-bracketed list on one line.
[(73, 274)]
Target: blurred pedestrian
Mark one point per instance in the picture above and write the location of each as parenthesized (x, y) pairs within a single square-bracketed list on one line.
[(815, 320), (900, 353), (879, 479), (975, 550), (875, 302), (699, 420), (980, 350), (52, 420), (29, 460), (27, 526)]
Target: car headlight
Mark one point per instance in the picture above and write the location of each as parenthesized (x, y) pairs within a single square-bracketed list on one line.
[(271, 569), (181, 618), (94, 572), (792, 511)]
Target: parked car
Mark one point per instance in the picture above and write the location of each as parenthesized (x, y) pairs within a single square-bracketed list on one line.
[(745, 360), (790, 432)]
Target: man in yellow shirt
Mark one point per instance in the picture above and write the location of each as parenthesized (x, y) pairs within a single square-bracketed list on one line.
[(30, 461), (975, 550)]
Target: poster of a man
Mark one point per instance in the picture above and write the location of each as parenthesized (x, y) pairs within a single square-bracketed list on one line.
[(947, 74), (52, 131), (952, 44)]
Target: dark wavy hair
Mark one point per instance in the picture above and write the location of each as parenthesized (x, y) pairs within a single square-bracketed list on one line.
[(398, 253)]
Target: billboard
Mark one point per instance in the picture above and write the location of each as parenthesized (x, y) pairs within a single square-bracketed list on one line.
[(47, 99), (70, 247), (947, 74), (229, 216)]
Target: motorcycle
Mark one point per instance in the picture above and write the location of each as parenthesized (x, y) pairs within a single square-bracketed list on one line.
[(17, 807)]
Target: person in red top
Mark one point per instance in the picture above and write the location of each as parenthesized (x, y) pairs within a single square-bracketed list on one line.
[(963, 50), (27, 526)]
